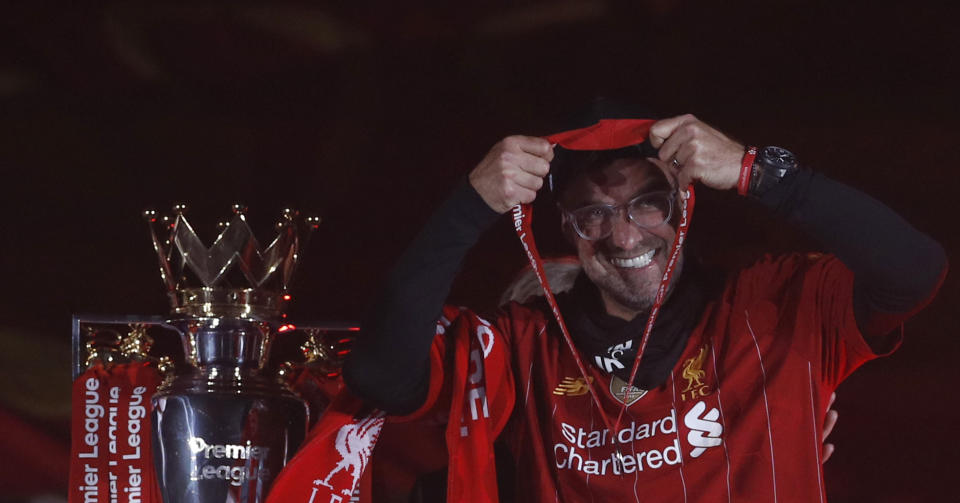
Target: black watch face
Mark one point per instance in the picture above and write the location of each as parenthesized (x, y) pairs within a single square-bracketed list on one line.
[(779, 157)]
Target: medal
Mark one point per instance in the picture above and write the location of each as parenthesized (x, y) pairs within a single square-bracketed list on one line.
[(627, 393)]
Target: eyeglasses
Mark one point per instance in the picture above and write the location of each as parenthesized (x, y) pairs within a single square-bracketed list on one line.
[(646, 210)]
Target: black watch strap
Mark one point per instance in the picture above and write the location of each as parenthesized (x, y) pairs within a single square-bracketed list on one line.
[(771, 165)]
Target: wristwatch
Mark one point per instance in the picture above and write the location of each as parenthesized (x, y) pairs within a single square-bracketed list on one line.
[(771, 165)]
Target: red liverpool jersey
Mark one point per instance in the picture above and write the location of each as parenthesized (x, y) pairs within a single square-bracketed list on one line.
[(739, 418)]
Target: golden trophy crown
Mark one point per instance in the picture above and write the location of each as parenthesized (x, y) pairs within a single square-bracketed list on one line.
[(234, 277)]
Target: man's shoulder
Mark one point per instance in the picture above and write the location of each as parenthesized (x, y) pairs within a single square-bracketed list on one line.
[(787, 264), (511, 320), (536, 310), (519, 321), (776, 272)]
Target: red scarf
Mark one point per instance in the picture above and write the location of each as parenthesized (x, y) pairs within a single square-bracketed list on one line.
[(110, 446), (329, 466)]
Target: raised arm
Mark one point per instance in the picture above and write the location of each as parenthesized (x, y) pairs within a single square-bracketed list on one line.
[(389, 364), (897, 269)]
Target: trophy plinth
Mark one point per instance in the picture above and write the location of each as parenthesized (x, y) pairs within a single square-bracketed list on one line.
[(223, 426)]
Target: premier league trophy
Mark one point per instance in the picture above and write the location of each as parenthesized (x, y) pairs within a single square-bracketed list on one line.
[(224, 426)]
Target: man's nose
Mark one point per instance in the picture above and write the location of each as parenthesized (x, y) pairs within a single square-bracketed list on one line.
[(625, 234)]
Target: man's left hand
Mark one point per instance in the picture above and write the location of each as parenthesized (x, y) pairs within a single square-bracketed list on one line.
[(695, 151)]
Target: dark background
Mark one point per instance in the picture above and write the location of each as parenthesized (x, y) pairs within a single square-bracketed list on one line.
[(369, 112)]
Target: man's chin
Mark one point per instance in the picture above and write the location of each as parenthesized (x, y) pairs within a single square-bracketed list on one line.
[(641, 278), (634, 288), (629, 292), (633, 303)]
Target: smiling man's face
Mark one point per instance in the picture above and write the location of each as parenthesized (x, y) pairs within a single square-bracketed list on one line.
[(627, 265)]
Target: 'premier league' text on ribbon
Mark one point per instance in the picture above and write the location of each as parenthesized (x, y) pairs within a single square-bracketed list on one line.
[(99, 449)]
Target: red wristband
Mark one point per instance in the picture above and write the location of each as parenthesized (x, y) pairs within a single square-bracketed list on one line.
[(746, 168)]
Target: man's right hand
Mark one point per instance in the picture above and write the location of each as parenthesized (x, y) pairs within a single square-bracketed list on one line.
[(512, 172)]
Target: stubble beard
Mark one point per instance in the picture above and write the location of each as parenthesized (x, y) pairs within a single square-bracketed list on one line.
[(632, 293)]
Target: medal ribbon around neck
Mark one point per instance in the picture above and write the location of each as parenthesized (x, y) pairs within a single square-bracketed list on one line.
[(606, 134)]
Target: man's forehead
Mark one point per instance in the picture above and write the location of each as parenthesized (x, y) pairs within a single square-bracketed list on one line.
[(621, 178)]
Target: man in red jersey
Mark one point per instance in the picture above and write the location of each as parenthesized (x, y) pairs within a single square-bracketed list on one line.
[(734, 375)]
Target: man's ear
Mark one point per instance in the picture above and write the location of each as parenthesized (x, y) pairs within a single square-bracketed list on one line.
[(668, 170), (566, 227)]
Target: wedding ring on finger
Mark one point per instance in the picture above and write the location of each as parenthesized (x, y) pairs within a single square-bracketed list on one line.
[(676, 163)]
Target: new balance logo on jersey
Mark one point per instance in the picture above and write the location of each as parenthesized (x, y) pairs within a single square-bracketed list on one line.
[(704, 428), (570, 386)]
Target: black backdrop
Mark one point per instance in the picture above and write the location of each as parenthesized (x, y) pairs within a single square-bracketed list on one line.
[(369, 113)]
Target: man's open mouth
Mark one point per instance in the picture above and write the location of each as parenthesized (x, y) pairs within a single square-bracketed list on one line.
[(634, 262)]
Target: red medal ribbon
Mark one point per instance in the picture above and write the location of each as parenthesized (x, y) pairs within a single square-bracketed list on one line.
[(606, 134), (523, 218), (686, 213)]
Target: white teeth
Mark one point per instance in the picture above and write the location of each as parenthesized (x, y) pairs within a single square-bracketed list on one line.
[(635, 262)]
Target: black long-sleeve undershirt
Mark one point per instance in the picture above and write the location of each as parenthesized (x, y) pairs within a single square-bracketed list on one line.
[(896, 268), (388, 365)]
